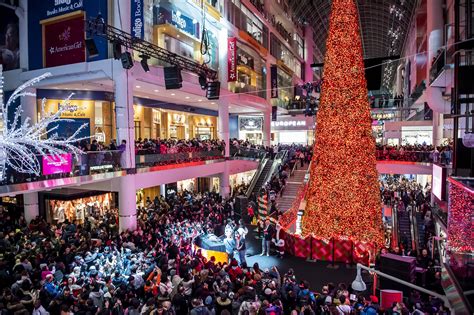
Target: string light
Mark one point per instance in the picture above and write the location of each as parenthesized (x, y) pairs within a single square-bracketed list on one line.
[(460, 221), (343, 197), (21, 142)]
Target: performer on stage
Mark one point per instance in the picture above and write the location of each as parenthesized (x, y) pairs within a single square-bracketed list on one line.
[(267, 238), (279, 242), (241, 247)]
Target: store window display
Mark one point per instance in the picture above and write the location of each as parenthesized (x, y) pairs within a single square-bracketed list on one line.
[(77, 210)]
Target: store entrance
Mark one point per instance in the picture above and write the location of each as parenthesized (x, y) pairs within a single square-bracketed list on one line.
[(254, 138), (177, 132)]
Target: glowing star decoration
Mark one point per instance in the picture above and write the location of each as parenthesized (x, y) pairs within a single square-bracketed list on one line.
[(22, 142), (343, 195)]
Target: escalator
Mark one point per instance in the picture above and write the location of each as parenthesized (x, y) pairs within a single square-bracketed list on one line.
[(405, 230), (267, 168), (260, 180)]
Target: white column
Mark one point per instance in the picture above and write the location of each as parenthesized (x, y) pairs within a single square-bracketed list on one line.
[(29, 106), (163, 190), (121, 17), (267, 121), (127, 204), (434, 29), (124, 113), (308, 53), (224, 185), (22, 13), (223, 125), (30, 201)]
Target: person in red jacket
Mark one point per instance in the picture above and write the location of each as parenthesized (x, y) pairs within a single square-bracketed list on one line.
[(234, 270)]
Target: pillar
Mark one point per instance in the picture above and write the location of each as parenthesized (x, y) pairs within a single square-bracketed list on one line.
[(30, 202), (124, 114), (434, 30), (29, 106), (163, 190), (308, 53), (224, 184), (127, 203), (121, 17), (223, 125), (267, 121), (22, 13)]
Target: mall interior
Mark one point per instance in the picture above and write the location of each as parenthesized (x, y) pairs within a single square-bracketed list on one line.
[(237, 157)]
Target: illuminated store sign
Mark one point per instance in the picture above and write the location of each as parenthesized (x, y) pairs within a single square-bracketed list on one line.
[(250, 123)]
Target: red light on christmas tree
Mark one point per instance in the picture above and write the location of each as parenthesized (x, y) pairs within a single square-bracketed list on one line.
[(343, 196)]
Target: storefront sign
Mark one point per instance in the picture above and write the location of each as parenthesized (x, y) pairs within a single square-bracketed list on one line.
[(250, 123), (383, 116), (137, 23), (293, 123), (48, 19), (179, 20), (64, 6), (274, 81), (75, 109), (55, 164), (232, 59), (64, 42)]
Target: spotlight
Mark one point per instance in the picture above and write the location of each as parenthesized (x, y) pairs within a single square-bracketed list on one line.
[(173, 79), (203, 81), (91, 48), (117, 48), (144, 62), (127, 61), (213, 90)]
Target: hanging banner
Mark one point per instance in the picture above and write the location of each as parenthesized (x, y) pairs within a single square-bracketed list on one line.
[(137, 22), (231, 59), (274, 81), (54, 164)]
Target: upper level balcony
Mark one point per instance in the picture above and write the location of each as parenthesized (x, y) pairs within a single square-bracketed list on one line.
[(441, 73)]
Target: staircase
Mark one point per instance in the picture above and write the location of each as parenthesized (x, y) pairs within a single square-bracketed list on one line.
[(263, 175), (293, 184), (404, 228)]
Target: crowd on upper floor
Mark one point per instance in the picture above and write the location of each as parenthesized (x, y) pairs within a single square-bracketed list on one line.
[(415, 153)]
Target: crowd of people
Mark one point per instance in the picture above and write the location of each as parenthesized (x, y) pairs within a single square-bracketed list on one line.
[(408, 198), (416, 153), (95, 269)]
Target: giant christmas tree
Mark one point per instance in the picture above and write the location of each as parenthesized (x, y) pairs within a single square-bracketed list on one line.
[(343, 197)]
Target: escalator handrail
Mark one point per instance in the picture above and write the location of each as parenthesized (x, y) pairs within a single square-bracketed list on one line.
[(412, 228), (257, 174), (279, 158)]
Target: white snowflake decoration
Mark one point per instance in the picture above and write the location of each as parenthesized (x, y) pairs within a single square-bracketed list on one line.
[(22, 142)]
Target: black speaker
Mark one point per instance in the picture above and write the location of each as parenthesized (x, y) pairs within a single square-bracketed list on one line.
[(117, 50), (401, 267), (173, 79), (91, 48), (127, 60), (213, 90)]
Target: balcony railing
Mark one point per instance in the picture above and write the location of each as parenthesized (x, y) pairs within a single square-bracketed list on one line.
[(89, 163), (407, 156), (249, 89), (438, 65), (149, 160)]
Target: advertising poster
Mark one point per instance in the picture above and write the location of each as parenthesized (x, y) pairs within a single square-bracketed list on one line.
[(56, 32), (9, 37), (64, 41), (137, 21)]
